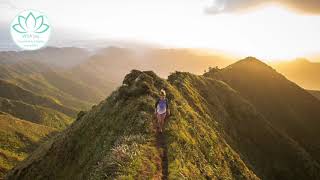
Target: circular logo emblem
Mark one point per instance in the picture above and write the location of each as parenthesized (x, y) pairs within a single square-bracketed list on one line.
[(30, 30)]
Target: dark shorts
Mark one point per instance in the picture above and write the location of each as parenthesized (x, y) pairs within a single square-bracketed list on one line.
[(161, 116)]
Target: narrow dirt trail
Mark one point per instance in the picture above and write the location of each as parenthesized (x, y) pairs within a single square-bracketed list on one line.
[(162, 146)]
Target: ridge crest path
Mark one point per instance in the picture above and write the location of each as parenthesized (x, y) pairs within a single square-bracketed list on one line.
[(162, 147)]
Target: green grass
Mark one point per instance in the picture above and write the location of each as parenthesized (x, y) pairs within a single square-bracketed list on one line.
[(52, 83), (17, 139), (213, 133), (127, 149), (35, 114), (13, 92)]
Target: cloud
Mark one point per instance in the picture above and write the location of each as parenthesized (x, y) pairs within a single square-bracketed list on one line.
[(226, 6)]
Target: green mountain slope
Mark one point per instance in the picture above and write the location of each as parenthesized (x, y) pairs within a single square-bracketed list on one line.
[(285, 105), (13, 92), (47, 81), (213, 133), (77, 89), (35, 113), (33, 89), (265, 150), (17, 139)]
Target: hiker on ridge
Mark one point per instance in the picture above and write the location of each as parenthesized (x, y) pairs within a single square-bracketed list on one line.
[(162, 109)]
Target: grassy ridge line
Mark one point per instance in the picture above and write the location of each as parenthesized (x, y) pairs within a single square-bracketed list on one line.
[(43, 80), (125, 149), (13, 92), (284, 104), (40, 86), (77, 89), (36, 114)]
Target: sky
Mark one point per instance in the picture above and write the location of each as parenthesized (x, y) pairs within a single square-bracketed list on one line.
[(272, 29)]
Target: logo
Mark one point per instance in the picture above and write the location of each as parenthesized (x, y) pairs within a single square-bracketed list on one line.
[(30, 30)]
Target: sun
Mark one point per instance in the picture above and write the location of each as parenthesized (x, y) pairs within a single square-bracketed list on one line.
[(270, 32)]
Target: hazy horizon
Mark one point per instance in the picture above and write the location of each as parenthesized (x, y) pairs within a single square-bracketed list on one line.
[(280, 30)]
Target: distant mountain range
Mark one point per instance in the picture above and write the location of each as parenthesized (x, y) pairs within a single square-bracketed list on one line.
[(301, 71), (245, 121), (62, 57)]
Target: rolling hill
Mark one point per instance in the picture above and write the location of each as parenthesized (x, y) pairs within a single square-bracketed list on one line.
[(62, 57), (13, 92), (18, 138), (34, 87), (42, 112), (301, 71), (51, 82), (35, 113), (214, 132)]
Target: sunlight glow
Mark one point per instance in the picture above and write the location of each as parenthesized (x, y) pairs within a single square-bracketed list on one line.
[(271, 32)]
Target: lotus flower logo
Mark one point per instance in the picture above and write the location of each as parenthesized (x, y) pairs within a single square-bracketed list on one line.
[(30, 24), (30, 30)]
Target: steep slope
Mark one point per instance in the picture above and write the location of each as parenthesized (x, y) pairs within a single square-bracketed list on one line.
[(35, 113), (77, 89), (34, 90), (264, 149), (213, 133), (301, 71), (17, 139), (315, 94), (285, 105), (48, 81)]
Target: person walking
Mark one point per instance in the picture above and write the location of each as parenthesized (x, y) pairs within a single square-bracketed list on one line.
[(162, 109)]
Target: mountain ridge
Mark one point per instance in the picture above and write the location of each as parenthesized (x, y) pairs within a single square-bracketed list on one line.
[(210, 134), (286, 105)]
